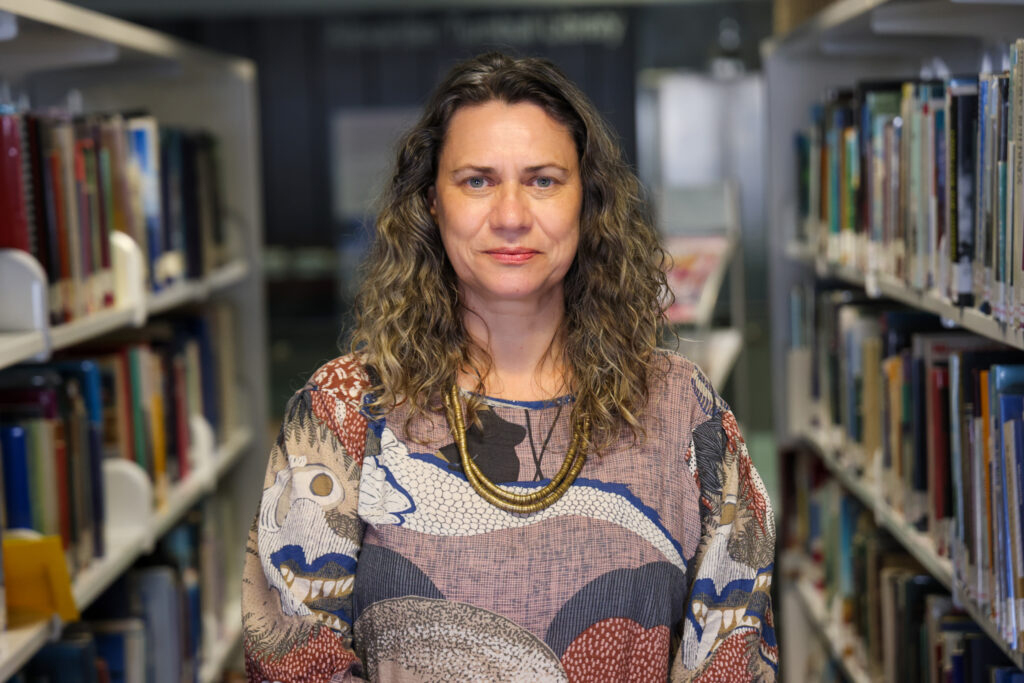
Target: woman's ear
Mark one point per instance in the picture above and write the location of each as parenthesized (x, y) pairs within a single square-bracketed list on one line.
[(432, 201)]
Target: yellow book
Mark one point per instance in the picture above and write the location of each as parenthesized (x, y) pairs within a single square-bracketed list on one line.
[(37, 583)]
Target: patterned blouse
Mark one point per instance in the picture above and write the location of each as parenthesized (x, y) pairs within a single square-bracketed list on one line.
[(373, 558)]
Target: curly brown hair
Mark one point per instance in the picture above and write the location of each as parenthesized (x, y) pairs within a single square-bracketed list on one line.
[(408, 316)]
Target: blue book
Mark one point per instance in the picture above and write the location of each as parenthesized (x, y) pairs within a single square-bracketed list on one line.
[(1003, 674), (70, 660), (161, 611), (1004, 381), (144, 148), (17, 498), (87, 373), (122, 644), (202, 330), (1011, 406), (1018, 457)]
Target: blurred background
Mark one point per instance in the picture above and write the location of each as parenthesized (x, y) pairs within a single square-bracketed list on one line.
[(767, 136)]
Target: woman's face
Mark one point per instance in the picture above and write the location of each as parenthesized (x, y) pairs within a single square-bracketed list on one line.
[(507, 199)]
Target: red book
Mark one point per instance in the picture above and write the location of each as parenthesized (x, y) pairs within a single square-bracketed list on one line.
[(14, 232), (85, 226), (60, 212), (63, 475)]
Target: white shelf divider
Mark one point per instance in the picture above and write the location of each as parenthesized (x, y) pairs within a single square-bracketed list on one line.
[(24, 318), (128, 544)]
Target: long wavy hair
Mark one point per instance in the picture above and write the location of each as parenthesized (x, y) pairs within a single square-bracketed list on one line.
[(408, 314)]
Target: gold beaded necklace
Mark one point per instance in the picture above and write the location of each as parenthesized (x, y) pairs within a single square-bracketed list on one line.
[(499, 497)]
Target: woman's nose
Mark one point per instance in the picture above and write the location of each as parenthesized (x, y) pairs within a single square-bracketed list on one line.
[(511, 210)]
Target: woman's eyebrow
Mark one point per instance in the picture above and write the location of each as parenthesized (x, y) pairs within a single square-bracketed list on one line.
[(541, 167), (475, 169)]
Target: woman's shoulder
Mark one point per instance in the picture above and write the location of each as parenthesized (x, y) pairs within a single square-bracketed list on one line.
[(680, 385), (676, 369), (345, 379)]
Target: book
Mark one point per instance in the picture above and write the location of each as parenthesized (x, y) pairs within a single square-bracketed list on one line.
[(121, 643), (17, 504), (14, 219), (695, 275), (72, 659), (161, 612)]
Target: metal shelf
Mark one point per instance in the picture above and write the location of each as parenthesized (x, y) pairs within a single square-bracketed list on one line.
[(17, 645), (215, 661), (894, 28), (195, 291), (90, 327), (16, 347), (837, 637), (881, 286)]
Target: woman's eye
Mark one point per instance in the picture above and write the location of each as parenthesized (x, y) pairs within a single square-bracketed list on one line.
[(476, 183), (544, 182)]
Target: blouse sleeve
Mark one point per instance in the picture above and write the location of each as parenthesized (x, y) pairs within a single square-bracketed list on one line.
[(728, 628), (304, 543)]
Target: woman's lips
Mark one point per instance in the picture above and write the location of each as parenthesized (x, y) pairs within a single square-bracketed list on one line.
[(512, 255)]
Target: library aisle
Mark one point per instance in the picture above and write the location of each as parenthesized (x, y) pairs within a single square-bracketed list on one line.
[(896, 201), (132, 352)]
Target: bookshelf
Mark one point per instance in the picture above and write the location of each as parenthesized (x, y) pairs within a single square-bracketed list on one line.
[(847, 42), (112, 65), (827, 445)]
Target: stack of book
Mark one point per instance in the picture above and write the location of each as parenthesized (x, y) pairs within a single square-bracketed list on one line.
[(922, 182), (933, 420), (130, 395), (906, 626), (66, 183)]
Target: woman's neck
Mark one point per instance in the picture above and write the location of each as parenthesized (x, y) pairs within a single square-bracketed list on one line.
[(524, 343)]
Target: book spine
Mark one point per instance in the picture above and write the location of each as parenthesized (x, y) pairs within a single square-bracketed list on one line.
[(14, 230), (1017, 183), (17, 478), (940, 244), (105, 208), (1001, 277), (966, 106)]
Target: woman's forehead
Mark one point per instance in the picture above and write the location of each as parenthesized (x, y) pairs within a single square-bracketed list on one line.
[(493, 129)]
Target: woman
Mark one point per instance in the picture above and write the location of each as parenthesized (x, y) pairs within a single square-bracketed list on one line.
[(515, 286)]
